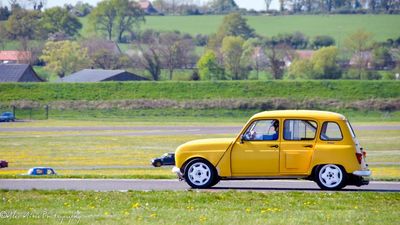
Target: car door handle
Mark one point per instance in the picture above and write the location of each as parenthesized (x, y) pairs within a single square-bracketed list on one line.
[(308, 146), (274, 146)]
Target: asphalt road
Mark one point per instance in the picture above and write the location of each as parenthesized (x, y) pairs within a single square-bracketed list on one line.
[(175, 185), (151, 130)]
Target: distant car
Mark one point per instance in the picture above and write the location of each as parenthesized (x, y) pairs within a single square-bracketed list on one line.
[(7, 117), (3, 164), (41, 171), (168, 159)]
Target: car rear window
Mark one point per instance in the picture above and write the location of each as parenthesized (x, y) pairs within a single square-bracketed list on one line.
[(331, 131)]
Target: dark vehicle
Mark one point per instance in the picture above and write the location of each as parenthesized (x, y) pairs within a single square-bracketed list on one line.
[(41, 171), (168, 159), (3, 164), (7, 117)]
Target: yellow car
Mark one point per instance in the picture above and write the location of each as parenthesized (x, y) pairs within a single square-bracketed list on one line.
[(315, 145)]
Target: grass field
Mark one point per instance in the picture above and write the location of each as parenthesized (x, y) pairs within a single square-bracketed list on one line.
[(97, 154), (78, 207), (337, 26)]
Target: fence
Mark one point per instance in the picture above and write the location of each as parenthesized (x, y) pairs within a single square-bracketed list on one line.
[(28, 113)]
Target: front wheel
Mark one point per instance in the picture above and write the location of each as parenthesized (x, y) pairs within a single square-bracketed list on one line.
[(200, 174), (330, 177)]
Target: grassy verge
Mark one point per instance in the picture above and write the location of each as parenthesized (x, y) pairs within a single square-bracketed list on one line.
[(166, 207), (341, 90)]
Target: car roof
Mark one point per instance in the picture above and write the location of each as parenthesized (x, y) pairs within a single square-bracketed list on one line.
[(301, 113), (41, 168)]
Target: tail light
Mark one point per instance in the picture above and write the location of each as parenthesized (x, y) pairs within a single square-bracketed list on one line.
[(359, 157)]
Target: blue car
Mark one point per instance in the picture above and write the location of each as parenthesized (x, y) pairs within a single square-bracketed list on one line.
[(7, 117), (41, 171)]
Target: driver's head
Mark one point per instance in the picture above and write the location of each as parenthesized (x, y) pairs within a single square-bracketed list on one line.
[(276, 125)]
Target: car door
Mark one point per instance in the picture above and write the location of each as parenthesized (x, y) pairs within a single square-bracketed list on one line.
[(257, 152), (297, 146)]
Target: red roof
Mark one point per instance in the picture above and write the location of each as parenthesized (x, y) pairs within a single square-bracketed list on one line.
[(144, 4), (305, 54), (15, 55)]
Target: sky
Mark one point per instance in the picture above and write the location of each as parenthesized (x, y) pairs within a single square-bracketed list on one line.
[(249, 4)]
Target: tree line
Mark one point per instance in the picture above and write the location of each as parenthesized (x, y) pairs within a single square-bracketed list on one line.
[(234, 52)]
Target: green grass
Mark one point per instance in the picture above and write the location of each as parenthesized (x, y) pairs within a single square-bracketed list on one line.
[(96, 154), (344, 90), (337, 26), (167, 207)]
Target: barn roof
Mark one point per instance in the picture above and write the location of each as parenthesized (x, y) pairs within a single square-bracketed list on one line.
[(96, 75), (15, 55), (16, 73)]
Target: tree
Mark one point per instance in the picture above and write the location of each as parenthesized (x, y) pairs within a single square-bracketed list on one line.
[(116, 16), (223, 6), (58, 19), (209, 68), (64, 57), (129, 16), (253, 55), (103, 17), (108, 60), (381, 57), (232, 51), (175, 51), (322, 41), (235, 25), (82, 9), (358, 43), (300, 69), (148, 56), (267, 4), (324, 63), (24, 24), (276, 53), (4, 13)]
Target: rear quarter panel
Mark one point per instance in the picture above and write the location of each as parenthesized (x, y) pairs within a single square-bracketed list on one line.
[(336, 152)]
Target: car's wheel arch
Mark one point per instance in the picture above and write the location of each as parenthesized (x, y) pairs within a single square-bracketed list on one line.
[(183, 167)]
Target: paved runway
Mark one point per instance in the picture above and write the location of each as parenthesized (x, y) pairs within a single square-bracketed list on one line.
[(175, 185)]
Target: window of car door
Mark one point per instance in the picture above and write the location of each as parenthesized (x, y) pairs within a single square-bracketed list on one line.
[(262, 130)]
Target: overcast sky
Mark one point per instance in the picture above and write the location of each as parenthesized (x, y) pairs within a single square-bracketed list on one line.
[(249, 4)]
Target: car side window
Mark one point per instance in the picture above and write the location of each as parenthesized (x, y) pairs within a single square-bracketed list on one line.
[(297, 130), (331, 131), (262, 130)]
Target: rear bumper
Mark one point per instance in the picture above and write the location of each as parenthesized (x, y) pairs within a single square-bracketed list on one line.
[(362, 173)]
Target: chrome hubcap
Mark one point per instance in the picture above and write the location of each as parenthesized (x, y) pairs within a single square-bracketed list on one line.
[(330, 176), (199, 173)]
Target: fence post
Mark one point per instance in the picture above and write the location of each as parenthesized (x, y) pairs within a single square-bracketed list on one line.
[(47, 111), (30, 114), (13, 109)]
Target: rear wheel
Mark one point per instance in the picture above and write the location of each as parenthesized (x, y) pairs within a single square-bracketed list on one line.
[(200, 174), (330, 177)]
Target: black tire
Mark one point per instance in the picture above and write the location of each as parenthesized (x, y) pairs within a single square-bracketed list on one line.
[(199, 173), (330, 177)]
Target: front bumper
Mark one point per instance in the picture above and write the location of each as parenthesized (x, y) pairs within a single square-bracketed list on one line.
[(178, 172), (362, 173)]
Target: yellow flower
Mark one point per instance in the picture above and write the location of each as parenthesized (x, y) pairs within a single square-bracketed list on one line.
[(153, 215), (248, 210), (136, 205)]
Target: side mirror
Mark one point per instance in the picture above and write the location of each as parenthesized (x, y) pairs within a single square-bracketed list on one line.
[(243, 139)]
